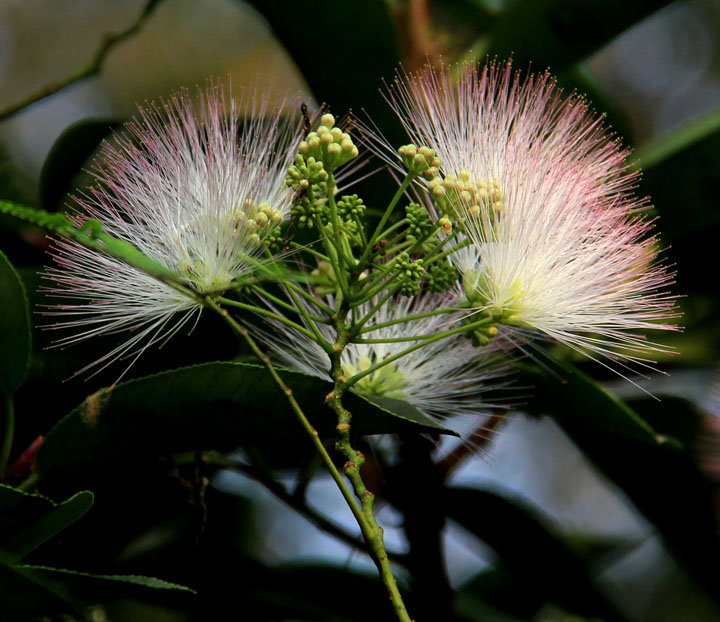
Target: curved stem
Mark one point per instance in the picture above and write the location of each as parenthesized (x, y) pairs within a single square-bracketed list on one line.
[(373, 533), (267, 313), (383, 220), (304, 421), (288, 307), (391, 359), (408, 318)]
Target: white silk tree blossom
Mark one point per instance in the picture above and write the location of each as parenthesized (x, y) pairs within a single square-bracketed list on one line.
[(196, 184), (442, 379), (544, 198)]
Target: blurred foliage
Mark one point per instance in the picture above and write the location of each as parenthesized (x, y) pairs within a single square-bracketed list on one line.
[(154, 512)]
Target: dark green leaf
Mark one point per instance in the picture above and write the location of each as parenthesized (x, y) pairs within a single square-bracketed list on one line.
[(15, 341), (23, 596), (97, 588), (575, 397), (67, 156), (210, 406), (559, 33), (30, 591), (27, 521), (544, 566), (677, 140)]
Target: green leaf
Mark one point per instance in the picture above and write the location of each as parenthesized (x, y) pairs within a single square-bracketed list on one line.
[(544, 567), (15, 338), (576, 398), (24, 595), (676, 140), (27, 520), (209, 406), (66, 157), (30, 591), (97, 588), (559, 33)]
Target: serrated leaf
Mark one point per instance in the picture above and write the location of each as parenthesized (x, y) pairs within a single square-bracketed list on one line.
[(27, 520), (24, 596), (208, 406), (66, 157), (15, 339), (539, 560), (97, 588)]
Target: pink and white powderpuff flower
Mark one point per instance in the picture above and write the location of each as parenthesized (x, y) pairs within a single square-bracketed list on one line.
[(445, 378), (193, 183), (544, 197)]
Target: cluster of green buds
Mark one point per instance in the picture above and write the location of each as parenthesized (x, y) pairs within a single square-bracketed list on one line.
[(329, 145), (475, 197), (420, 161), (410, 272), (420, 225), (441, 276), (350, 206), (305, 172)]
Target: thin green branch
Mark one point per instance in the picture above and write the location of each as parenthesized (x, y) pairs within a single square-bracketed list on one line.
[(391, 359), (409, 318), (310, 298), (304, 421), (288, 307), (378, 230), (91, 68), (266, 313)]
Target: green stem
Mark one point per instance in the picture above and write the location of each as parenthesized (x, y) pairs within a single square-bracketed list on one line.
[(267, 313), (8, 434), (310, 298), (391, 359), (394, 227), (288, 307), (408, 318), (303, 247), (373, 533), (331, 251), (359, 324), (324, 343), (304, 421), (342, 245), (378, 230), (386, 284)]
